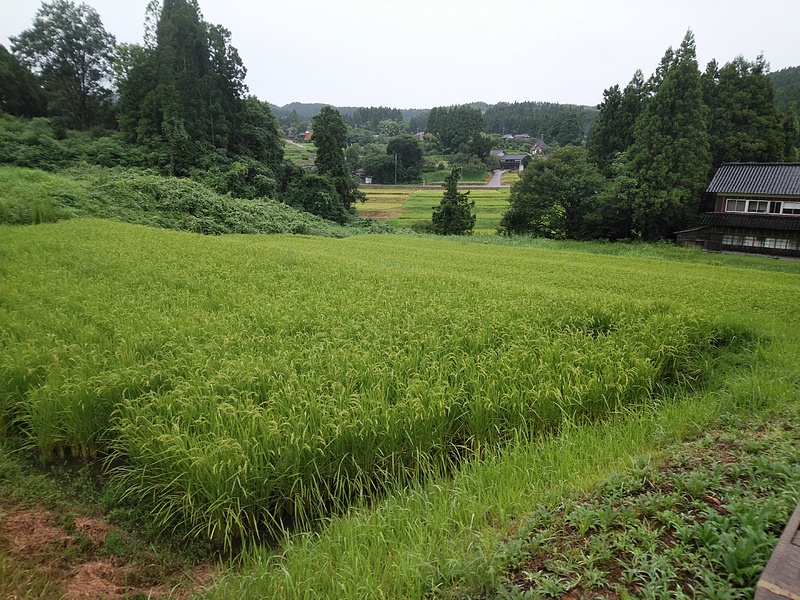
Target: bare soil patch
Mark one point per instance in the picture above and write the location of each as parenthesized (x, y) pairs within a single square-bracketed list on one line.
[(70, 561)]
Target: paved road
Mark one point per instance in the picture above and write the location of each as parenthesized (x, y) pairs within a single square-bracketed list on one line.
[(494, 182)]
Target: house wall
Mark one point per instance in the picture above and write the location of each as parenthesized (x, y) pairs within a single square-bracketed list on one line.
[(756, 241)]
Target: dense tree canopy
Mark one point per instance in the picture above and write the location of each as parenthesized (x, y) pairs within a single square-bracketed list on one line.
[(183, 97), (553, 195), (562, 124), (72, 53), (370, 118), (408, 152), (455, 126), (21, 94), (744, 124), (670, 156)]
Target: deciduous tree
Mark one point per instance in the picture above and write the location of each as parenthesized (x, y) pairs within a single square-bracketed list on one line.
[(408, 151), (72, 53), (552, 196)]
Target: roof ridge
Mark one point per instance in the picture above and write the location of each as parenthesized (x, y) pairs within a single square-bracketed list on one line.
[(759, 164)]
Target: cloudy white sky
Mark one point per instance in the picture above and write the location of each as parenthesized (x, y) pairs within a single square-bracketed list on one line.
[(424, 53)]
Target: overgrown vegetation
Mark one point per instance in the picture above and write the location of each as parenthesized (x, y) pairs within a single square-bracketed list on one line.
[(31, 196)]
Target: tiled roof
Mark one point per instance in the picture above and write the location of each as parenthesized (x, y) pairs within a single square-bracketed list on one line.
[(771, 179), (780, 222)]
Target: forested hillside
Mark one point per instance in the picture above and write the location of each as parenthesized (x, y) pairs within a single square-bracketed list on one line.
[(563, 124)]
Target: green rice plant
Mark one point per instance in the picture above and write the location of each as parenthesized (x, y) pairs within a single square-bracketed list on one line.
[(254, 385)]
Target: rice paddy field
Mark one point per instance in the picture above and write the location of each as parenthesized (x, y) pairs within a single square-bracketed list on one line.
[(361, 416), (405, 206)]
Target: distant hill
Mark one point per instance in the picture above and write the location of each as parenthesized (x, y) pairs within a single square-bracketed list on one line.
[(308, 110), (787, 88)]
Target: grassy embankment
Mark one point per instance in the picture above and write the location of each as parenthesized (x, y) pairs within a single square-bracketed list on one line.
[(32, 196), (247, 383)]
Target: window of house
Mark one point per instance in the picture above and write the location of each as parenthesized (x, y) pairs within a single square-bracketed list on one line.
[(731, 240), (775, 208), (791, 208), (780, 244), (757, 206), (735, 205), (752, 241)]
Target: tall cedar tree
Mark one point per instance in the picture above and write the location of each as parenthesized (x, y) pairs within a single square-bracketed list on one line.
[(670, 155), (612, 131), (183, 97), (330, 138), (454, 215), (791, 135), (744, 124), (72, 54)]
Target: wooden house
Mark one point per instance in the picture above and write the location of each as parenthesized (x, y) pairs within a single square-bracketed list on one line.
[(756, 209), (512, 162)]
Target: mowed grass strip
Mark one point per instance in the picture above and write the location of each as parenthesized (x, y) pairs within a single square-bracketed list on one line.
[(249, 383)]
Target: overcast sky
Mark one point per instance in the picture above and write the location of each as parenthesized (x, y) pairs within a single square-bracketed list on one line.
[(425, 53)]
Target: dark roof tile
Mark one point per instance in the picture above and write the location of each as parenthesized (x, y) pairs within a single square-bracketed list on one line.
[(772, 179), (779, 222)]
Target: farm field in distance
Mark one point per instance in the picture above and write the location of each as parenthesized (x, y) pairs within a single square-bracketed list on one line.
[(404, 206), (408, 399)]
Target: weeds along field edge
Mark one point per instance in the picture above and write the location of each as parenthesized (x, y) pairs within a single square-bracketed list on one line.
[(253, 383)]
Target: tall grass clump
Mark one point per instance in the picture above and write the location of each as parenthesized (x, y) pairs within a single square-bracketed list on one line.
[(247, 385)]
